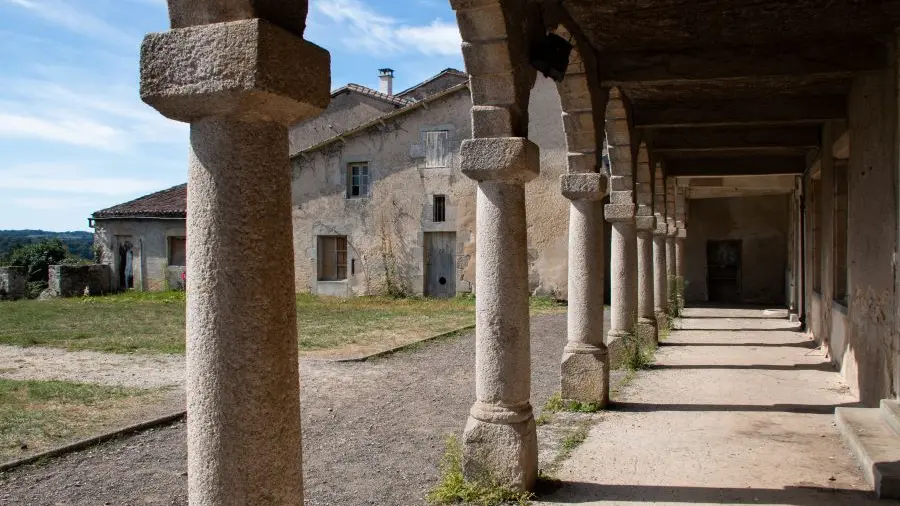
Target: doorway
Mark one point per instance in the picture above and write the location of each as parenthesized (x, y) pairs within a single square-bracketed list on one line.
[(126, 265), (723, 271), (440, 264)]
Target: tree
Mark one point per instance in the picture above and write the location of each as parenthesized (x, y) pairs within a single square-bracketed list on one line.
[(36, 258)]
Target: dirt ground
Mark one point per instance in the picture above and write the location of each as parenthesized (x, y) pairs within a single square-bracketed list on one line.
[(735, 411), (373, 433)]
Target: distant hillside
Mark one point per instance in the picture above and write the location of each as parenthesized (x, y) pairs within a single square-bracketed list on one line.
[(79, 244)]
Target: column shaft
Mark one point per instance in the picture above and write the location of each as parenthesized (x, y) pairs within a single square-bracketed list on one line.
[(585, 363), (243, 391), (660, 276), (623, 285), (679, 257), (500, 439), (645, 286), (672, 274)]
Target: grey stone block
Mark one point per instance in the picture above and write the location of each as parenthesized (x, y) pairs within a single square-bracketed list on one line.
[(504, 159), (583, 186)]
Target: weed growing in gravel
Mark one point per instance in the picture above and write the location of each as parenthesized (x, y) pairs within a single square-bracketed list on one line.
[(574, 439), (555, 403), (454, 488)]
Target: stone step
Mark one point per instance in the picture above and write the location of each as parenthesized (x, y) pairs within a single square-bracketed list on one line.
[(890, 410), (876, 446)]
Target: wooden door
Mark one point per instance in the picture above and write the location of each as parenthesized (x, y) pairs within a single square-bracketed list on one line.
[(440, 264)]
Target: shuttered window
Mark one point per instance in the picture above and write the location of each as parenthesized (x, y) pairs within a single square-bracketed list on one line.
[(177, 251), (332, 250), (437, 151)]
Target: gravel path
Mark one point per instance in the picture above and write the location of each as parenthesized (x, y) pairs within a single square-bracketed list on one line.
[(140, 371), (373, 433)]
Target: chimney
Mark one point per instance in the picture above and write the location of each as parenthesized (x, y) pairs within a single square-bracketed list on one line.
[(387, 81)]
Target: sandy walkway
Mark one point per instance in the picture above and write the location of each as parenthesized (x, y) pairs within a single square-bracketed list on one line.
[(141, 371), (737, 411)]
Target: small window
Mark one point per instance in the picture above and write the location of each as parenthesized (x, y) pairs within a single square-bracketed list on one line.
[(841, 202), (357, 180), (439, 209), (437, 152), (815, 194), (332, 258), (177, 251)]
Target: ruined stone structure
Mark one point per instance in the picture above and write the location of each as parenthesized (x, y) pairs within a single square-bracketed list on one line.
[(769, 126), (12, 283), (78, 280)]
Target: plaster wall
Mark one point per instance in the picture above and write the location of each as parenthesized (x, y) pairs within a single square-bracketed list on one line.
[(385, 232), (346, 111), (761, 224), (871, 346), (150, 247)]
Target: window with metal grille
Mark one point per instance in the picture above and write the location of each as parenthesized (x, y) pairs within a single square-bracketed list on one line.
[(332, 251), (439, 209), (357, 180), (437, 151)]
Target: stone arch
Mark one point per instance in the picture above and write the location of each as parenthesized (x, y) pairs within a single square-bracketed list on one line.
[(578, 93), (670, 204), (288, 15), (496, 38), (621, 150), (644, 182)]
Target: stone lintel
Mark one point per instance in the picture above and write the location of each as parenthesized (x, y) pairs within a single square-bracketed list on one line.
[(289, 15), (249, 70), (645, 222), (583, 186), (502, 159), (619, 212)]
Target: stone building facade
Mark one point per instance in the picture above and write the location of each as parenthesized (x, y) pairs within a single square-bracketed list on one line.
[(383, 207), (144, 241)]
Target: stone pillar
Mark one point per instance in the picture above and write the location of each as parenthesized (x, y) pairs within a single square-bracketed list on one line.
[(584, 372), (680, 238), (660, 274), (647, 326), (671, 268), (500, 440), (239, 84), (623, 269)]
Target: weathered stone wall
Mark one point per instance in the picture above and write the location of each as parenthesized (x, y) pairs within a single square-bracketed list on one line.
[(872, 235), (12, 283), (74, 280), (149, 238), (385, 232), (761, 224), (346, 111)]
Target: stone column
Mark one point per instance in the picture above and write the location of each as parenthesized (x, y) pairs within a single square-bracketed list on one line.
[(671, 262), (500, 441), (584, 372), (647, 326), (680, 238), (239, 84), (623, 269), (660, 274)]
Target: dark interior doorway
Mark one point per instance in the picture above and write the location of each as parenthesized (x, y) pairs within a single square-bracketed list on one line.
[(126, 266), (723, 271)]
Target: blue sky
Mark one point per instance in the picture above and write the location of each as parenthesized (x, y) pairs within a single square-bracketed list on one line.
[(74, 134)]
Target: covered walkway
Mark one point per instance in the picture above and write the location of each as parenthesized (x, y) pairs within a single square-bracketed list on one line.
[(737, 410)]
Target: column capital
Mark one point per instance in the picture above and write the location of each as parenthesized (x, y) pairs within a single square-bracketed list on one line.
[(646, 223), (619, 212), (681, 233), (502, 159), (671, 228), (247, 70), (589, 186)]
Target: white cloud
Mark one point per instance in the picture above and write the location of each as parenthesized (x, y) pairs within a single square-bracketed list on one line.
[(70, 180), (377, 34), (69, 17), (64, 129)]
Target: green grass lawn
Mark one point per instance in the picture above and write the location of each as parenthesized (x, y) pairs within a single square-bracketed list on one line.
[(36, 415), (154, 322)]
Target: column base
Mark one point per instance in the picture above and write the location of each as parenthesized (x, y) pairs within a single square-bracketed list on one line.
[(614, 334), (584, 375), (648, 330), (501, 453)]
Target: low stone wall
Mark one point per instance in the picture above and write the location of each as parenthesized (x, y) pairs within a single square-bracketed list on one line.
[(72, 280), (12, 283)]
